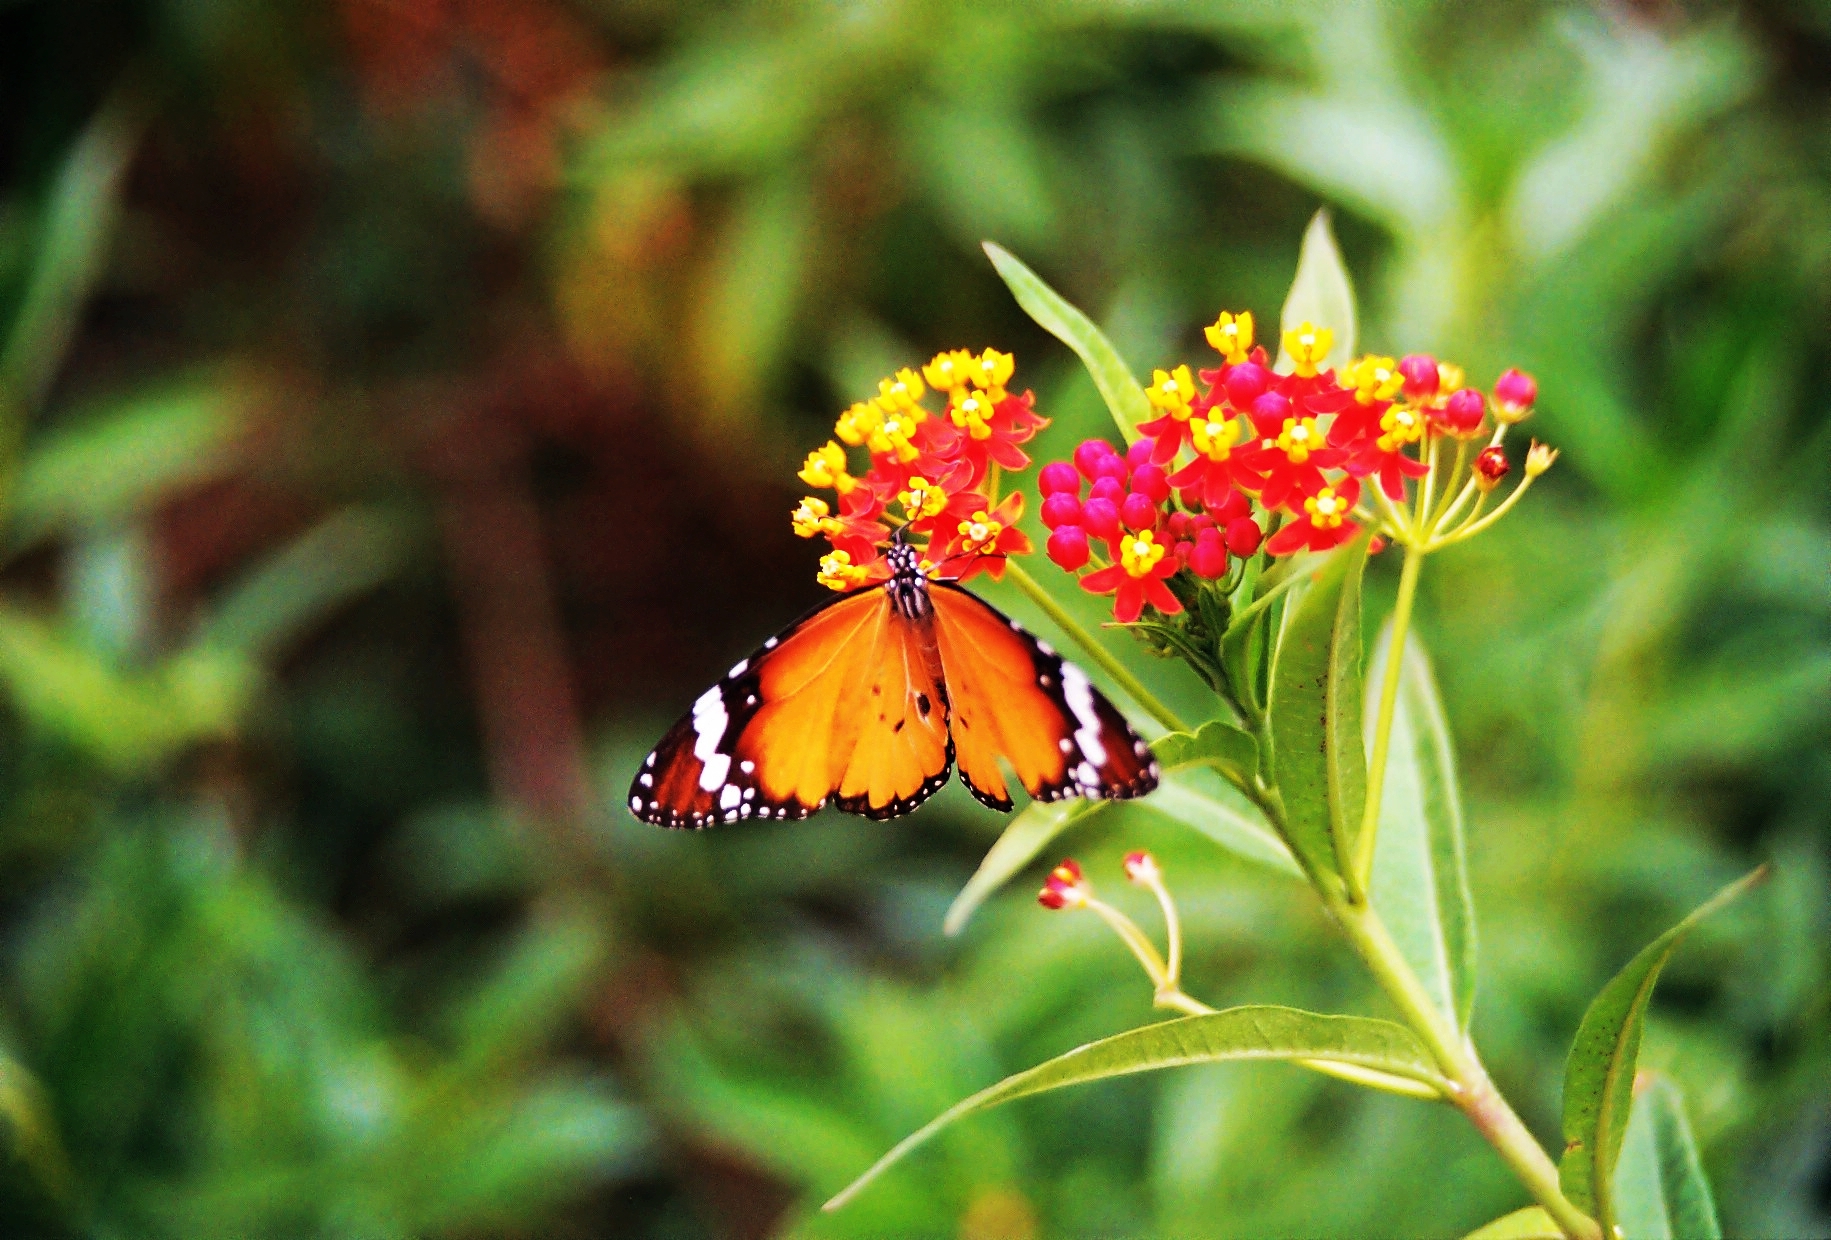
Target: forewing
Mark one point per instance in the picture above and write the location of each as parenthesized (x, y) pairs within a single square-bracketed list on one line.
[(1012, 696)]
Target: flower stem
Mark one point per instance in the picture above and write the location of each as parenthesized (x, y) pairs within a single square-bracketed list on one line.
[(1474, 526), (1382, 726), (1096, 652), (1475, 1094)]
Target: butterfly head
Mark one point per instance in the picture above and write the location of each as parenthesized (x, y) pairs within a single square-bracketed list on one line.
[(908, 584)]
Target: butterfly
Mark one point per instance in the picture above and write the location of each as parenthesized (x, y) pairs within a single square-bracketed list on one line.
[(868, 700)]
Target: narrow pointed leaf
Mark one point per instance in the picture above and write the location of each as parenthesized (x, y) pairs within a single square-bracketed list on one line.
[(1420, 873), (1532, 1223), (1220, 745), (1660, 1189), (1319, 761), (1321, 294), (1062, 320), (1017, 846), (1599, 1076), (1224, 816), (1239, 1033)]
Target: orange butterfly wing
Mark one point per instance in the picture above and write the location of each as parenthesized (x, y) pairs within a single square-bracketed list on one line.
[(845, 704), (1012, 696)]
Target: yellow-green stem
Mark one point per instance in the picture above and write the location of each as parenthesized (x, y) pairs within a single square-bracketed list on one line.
[(1097, 653), (1382, 724)]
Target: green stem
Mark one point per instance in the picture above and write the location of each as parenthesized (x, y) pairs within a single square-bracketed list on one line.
[(1096, 652), (1475, 1094), (1266, 599), (1382, 725)]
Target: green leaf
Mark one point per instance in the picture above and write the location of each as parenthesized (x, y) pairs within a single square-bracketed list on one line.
[(1223, 815), (1319, 757), (1238, 1033), (1321, 294), (1660, 1189), (1420, 878), (1599, 1076), (1016, 847), (1532, 1223), (1052, 311), (1220, 745)]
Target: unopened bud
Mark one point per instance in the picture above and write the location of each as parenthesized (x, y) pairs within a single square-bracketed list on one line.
[(1539, 458), (1490, 467), (1421, 375), (1142, 869), (1064, 888), (1462, 413), (1514, 393)]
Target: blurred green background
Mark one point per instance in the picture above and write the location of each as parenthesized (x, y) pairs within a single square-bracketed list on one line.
[(399, 407)]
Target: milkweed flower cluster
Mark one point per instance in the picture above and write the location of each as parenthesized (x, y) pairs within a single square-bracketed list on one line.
[(932, 474), (1244, 456)]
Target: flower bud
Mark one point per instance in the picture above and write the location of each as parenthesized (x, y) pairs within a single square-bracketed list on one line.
[(1068, 547), (1177, 525), (1107, 488), (1420, 371), (1061, 509), (1112, 466), (1138, 512), (1149, 480), (1462, 413), (1243, 536), (1209, 558), (1142, 868), (1140, 452), (1539, 458), (1514, 393), (1246, 383), (1490, 467), (1100, 518), (1065, 888), (1268, 413), (1058, 478), (1089, 454), (1235, 506), (1375, 545)]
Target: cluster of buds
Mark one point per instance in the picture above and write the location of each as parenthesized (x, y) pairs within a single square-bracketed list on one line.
[(1309, 456), (932, 475), (1067, 888)]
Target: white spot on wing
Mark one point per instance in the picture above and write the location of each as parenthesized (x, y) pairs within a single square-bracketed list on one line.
[(709, 723), (646, 780), (747, 766), (729, 796), (1080, 697), (737, 669)]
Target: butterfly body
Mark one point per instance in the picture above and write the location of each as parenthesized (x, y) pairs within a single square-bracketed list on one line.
[(868, 701)]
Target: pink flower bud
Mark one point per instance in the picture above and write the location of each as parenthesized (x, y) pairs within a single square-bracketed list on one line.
[(1140, 452), (1420, 371), (1138, 512), (1269, 411), (1068, 547), (1107, 488), (1463, 411), (1209, 559), (1058, 478), (1141, 867), (1235, 506), (1100, 518), (1148, 479), (1514, 393), (1245, 384), (1490, 467), (1113, 466), (1091, 453), (1177, 525), (1243, 536), (1061, 509)]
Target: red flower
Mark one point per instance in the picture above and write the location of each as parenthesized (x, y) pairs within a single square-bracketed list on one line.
[(990, 430), (1217, 467), (1324, 524), (982, 539), (1137, 578), (1291, 464)]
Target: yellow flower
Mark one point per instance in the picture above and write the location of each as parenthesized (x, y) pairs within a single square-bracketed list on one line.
[(948, 370), (971, 411), (814, 517), (1231, 335), (1214, 437), (1171, 392), (1299, 438), (856, 424), (1140, 552), (1326, 509), (1308, 345), (826, 467), (901, 391), (991, 370), (922, 499), (981, 532), (1373, 378), (1400, 426), (837, 572)]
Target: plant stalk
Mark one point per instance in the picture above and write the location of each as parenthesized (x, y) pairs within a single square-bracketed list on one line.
[(1094, 651), (1382, 726)]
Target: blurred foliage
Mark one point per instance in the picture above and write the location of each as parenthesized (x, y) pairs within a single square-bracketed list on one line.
[(397, 408)]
